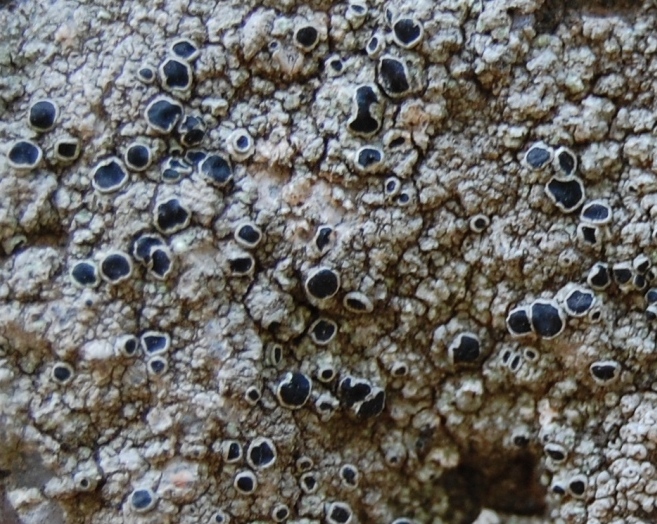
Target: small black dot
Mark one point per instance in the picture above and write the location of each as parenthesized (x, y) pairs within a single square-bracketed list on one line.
[(171, 216), (138, 156), (109, 176), (184, 49), (336, 65), (294, 390), (85, 274), (217, 169), (43, 115), (141, 499), (24, 154), (176, 75), (242, 142), (68, 149), (241, 265), (61, 373), (161, 263), (158, 365), (323, 283), (307, 36), (249, 234), (407, 31), (245, 482), (116, 267), (163, 114), (146, 74), (521, 441)]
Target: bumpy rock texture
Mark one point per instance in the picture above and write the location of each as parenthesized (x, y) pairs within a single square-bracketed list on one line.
[(342, 274)]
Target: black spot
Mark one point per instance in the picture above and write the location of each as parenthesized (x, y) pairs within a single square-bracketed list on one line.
[(115, 267), (466, 350), (407, 31), (68, 149), (217, 169), (323, 237), (566, 194), (158, 365), (392, 77), (323, 330), (374, 406), (307, 37), (599, 277), (141, 499), (577, 487), (396, 142), (340, 514), (155, 342), (24, 154), (369, 157), (537, 157), (579, 302), (521, 441), (281, 513), (349, 475), (61, 373), (249, 234), (109, 176), (622, 275), (245, 483), (403, 199), (176, 75), (243, 143), (651, 296), (391, 186), (336, 65), (353, 390), (364, 123), (171, 216), (146, 74), (253, 394), (143, 246), (184, 49), (373, 44), (309, 482), (234, 452), (43, 115), (163, 114), (262, 454), (85, 274), (326, 374), (194, 157), (589, 234), (192, 131), (604, 371), (294, 390), (639, 282), (555, 453), (567, 161), (138, 156), (546, 319), (557, 489), (241, 265), (323, 283), (171, 176), (130, 346)]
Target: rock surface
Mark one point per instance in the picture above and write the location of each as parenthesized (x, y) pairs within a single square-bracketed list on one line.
[(328, 262)]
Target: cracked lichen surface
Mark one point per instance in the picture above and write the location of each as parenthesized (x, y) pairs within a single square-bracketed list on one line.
[(437, 232)]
